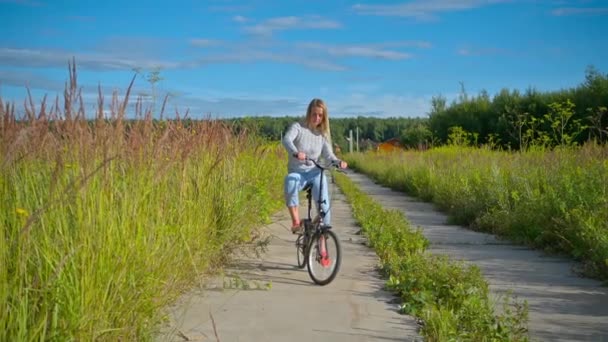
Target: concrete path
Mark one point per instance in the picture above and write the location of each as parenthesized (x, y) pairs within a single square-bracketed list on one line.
[(563, 306), (269, 299)]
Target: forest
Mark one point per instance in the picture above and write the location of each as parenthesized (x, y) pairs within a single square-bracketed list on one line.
[(511, 119)]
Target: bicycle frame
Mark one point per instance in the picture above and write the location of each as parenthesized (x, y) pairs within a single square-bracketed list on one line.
[(320, 212)]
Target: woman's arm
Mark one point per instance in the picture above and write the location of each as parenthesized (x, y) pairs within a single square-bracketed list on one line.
[(289, 137), (328, 153)]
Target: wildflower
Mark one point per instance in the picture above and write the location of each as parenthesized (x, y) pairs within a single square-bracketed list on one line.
[(22, 212)]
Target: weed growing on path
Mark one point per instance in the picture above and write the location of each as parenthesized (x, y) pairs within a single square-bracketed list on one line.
[(451, 298)]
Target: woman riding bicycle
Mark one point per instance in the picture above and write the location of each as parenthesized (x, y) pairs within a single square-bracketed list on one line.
[(308, 139)]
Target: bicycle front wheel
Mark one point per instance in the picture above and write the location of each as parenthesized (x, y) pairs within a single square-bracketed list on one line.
[(324, 257)]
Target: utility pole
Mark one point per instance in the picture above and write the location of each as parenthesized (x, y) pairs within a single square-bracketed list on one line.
[(350, 141), (357, 138)]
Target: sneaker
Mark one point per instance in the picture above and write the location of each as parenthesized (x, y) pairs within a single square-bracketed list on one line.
[(325, 261)]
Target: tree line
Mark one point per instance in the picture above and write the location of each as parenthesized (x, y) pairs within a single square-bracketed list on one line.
[(510, 119), (370, 130)]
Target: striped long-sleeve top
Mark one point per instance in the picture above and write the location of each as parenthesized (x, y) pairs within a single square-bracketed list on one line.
[(299, 138)]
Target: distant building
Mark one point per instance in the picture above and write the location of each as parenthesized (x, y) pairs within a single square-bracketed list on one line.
[(368, 145), (390, 145)]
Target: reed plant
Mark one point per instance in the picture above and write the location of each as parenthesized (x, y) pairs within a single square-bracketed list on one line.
[(106, 220)]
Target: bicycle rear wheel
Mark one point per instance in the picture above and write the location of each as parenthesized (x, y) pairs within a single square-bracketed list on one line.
[(301, 250), (324, 257)]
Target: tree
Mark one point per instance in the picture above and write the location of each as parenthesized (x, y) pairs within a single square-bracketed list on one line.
[(597, 128), (417, 135), (559, 117)]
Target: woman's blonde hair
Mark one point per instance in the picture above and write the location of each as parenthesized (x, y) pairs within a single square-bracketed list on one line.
[(324, 127)]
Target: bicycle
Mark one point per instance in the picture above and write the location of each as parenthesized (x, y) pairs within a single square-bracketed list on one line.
[(313, 244)]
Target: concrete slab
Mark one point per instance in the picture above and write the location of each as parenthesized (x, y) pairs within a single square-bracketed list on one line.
[(563, 306), (283, 304)]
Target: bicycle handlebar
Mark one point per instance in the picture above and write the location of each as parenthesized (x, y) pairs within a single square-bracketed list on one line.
[(335, 164)]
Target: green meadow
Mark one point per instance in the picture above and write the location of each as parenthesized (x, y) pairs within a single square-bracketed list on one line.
[(551, 199)]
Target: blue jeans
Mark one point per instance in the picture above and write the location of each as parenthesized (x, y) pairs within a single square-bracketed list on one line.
[(296, 181)]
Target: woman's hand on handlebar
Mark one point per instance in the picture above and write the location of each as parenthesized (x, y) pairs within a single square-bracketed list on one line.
[(338, 163)]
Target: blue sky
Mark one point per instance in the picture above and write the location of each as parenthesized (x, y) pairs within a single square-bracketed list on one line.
[(224, 58)]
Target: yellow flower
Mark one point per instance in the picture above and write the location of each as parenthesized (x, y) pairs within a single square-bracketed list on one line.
[(22, 212)]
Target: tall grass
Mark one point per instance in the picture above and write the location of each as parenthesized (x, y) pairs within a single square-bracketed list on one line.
[(554, 200), (106, 221)]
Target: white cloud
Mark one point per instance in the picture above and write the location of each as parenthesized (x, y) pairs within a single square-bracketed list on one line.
[(467, 51), (372, 51), (109, 54), (229, 8), (240, 19), (29, 3), (268, 27), (361, 99), (202, 42), (99, 61), (59, 58), (41, 86), (82, 18), (23, 79), (139, 47), (386, 105), (229, 106), (422, 9), (565, 11), (417, 44), (353, 104), (258, 55)]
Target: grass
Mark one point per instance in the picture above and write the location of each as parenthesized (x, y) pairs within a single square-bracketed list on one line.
[(450, 298), (106, 221), (552, 200)]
